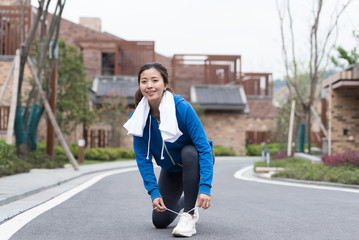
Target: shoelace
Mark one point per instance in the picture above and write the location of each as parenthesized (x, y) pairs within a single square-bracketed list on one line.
[(167, 209)]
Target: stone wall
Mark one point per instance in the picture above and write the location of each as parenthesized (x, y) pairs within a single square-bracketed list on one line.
[(344, 120), (259, 124), (226, 129), (5, 66)]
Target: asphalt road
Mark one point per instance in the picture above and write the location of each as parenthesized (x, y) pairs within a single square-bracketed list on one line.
[(118, 207)]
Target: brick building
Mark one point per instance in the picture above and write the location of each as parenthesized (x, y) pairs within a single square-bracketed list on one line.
[(343, 110), (227, 124), (110, 57)]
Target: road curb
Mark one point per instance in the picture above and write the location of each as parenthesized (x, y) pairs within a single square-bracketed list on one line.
[(23, 195), (328, 184)]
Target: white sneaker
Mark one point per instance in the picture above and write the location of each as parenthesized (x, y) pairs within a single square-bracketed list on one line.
[(196, 214), (186, 226)]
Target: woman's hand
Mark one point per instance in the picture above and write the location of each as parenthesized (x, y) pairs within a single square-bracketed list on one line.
[(203, 201), (158, 205)]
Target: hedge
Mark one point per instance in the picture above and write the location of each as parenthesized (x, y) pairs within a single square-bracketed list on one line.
[(256, 150), (344, 159), (11, 164), (222, 151), (109, 154), (102, 154)]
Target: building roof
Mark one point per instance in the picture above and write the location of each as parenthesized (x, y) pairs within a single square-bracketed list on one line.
[(104, 86), (219, 97), (347, 78)]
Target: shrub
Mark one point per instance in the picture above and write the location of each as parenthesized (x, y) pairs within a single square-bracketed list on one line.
[(13, 165), (222, 151), (41, 147), (256, 150), (42, 160), (283, 163), (344, 159), (108, 154), (92, 153), (280, 155), (126, 153), (9, 162), (321, 172), (6, 150), (74, 148), (101, 154)]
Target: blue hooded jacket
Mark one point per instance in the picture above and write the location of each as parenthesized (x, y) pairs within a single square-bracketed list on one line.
[(193, 134)]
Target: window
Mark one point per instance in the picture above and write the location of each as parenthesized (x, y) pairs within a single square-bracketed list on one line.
[(108, 63)]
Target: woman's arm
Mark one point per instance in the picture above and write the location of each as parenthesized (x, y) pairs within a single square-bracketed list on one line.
[(199, 139), (146, 167)]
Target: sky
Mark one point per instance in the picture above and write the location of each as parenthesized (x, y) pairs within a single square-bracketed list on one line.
[(234, 27)]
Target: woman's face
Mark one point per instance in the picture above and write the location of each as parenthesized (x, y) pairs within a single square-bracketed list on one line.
[(152, 86)]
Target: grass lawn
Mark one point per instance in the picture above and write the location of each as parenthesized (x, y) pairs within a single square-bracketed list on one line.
[(89, 162), (297, 168)]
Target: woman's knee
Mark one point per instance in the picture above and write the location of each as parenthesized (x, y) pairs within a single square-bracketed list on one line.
[(161, 220), (160, 224), (189, 152)]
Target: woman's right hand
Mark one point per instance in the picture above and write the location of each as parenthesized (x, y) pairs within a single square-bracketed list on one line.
[(158, 205)]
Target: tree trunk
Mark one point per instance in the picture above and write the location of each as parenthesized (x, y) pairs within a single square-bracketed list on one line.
[(309, 125), (19, 131), (22, 149), (33, 123)]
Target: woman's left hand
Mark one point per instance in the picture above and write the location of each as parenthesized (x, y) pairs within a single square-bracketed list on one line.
[(203, 201)]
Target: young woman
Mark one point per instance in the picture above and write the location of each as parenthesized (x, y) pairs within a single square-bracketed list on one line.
[(165, 127)]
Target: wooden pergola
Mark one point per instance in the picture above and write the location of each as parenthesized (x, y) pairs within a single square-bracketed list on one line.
[(217, 69), (10, 28)]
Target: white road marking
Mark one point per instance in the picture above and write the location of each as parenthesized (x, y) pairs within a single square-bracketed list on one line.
[(239, 175), (10, 227)]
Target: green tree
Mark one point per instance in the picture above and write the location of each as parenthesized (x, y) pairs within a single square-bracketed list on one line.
[(320, 39), (26, 136), (114, 112), (283, 113), (72, 90), (346, 58)]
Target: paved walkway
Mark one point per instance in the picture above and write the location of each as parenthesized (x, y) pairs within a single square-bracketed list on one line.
[(21, 192)]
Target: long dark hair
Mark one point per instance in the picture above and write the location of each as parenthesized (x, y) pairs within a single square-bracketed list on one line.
[(159, 67)]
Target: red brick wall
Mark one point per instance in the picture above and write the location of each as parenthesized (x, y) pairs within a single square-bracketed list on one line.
[(226, 129), (93, 62), (261, 107), (165, 61), (92, 56), (344, 115), (71, 31), (187, 75)]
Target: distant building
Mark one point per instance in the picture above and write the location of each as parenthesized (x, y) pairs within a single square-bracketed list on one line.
[(342, 90)]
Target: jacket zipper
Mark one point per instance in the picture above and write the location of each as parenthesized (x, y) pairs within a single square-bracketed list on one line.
[(173, 162)]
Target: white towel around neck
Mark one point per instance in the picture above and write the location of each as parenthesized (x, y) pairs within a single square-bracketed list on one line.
[(168, 125)]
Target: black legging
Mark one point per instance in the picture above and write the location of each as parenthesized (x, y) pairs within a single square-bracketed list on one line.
[(172, 184)]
